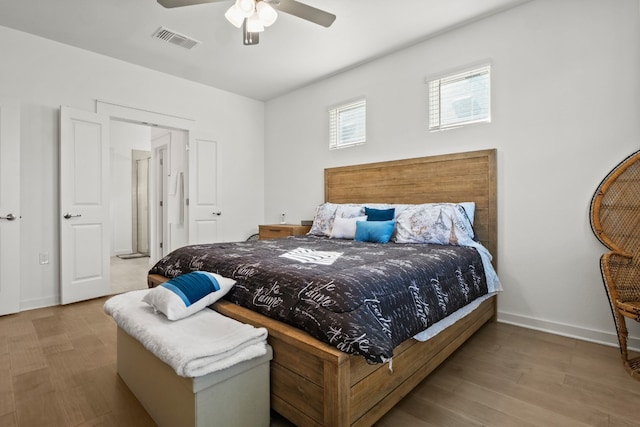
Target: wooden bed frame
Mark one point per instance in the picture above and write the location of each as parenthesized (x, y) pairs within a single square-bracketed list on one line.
[(314, 384)]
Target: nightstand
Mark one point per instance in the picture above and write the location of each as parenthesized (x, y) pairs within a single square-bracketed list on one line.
[(278, 231)]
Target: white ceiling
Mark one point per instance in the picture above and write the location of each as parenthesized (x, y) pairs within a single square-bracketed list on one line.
[(291, 53)]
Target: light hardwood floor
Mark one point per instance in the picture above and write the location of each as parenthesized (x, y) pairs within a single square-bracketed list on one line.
[(128, 274), (58, 368)]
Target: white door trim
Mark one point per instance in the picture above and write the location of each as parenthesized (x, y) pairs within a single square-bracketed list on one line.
[(153, 118)]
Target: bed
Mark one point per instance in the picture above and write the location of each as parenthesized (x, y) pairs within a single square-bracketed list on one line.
[(315, 384)]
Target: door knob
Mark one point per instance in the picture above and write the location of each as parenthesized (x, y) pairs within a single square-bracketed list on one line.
[(217, 213), (9, 217), (68, 215)]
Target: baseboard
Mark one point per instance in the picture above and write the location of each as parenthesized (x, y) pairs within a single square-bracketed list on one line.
[(599, 337), (121, 252), (39, 303)]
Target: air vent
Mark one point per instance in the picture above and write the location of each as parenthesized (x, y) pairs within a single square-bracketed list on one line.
[(174, 37)]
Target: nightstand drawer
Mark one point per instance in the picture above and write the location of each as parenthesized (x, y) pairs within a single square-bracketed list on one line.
[(279, 231)]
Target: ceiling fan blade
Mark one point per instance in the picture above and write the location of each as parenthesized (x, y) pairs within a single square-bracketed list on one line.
[(304, 11), (180, 3)]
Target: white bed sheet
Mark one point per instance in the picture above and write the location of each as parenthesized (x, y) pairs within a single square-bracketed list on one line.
[(441, 325)]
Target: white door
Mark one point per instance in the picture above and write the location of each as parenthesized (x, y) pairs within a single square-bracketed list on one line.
[(203, 189), (84, 205), (9, 206)]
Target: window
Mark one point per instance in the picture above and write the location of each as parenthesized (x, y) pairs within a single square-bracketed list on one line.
[(348, 124), (460, 99)]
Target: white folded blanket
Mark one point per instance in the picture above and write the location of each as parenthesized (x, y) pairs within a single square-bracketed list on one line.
[(194, 346)]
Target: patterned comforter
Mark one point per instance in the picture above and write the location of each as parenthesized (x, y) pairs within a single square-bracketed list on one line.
[(362, 298)]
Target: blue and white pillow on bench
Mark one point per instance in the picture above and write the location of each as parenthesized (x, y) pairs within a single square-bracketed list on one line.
[(187, 294)]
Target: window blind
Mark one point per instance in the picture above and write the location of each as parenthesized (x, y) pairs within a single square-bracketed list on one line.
[(347, 124), (460, 99)]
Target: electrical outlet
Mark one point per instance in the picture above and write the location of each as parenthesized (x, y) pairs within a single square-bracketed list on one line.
[(44, 258)]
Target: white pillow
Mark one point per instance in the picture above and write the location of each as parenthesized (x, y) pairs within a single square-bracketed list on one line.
[(187, 294), (345, 228)]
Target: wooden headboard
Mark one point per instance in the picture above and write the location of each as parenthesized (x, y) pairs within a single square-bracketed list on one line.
[(458, 177)]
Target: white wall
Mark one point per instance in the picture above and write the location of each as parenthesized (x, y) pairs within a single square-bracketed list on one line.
[(565, 111), (43, 75)]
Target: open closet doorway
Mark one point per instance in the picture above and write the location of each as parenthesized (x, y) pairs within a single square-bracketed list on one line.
[(192, 175), (129, 267), (140, 198), (130, 152), (147, 163)]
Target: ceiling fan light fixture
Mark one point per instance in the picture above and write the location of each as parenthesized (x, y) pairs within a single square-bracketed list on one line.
[(254, 15), (249, 39), (254, 24), (267, 13), (246, 7), (234, 16)]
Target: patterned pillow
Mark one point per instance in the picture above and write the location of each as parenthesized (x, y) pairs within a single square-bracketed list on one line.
[(470, 209), (349, 211), (327, 212), (323, 220), (440, 223), (187, 294)]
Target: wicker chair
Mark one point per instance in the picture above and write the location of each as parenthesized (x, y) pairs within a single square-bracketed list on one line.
[(615, 220)]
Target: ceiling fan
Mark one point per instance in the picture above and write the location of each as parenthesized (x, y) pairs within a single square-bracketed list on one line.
[(254, 15)]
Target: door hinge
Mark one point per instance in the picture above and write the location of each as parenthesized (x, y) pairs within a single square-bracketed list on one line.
[(161, 246), (187, 201), (161, 203)]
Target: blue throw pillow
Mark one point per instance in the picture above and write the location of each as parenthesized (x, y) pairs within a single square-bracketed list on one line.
[(374, 231), (379, 214), (187, 294)]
